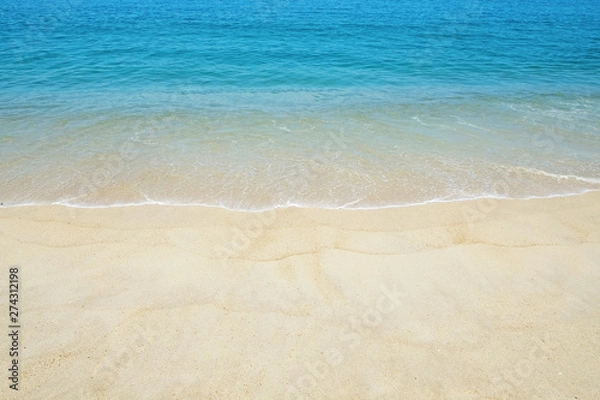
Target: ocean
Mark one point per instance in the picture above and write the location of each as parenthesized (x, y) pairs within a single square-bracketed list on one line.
[(257, 104)]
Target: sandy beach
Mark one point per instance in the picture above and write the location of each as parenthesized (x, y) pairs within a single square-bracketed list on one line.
[(466, 300)]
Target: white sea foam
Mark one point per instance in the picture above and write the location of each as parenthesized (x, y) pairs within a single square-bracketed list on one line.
[(371, 155)]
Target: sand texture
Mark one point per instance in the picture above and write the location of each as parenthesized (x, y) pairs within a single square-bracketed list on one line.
[(465, 300)]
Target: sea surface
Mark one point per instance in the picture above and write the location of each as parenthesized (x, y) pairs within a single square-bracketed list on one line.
[(255, 104)]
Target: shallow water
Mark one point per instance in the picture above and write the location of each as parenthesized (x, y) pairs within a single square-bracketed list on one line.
[(259, 104)]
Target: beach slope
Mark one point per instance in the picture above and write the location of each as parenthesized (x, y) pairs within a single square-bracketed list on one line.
[(463, 300)]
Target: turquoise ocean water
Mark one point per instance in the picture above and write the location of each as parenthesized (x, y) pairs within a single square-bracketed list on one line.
[(318, 103)]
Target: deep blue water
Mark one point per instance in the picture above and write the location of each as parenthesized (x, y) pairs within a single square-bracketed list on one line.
[(257, 103), (298, 45)]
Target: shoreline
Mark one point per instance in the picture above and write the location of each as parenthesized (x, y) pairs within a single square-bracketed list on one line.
[(300, 207), (202, 302)]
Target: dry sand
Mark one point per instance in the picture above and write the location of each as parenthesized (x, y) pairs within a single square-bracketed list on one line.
[(464, 300)]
